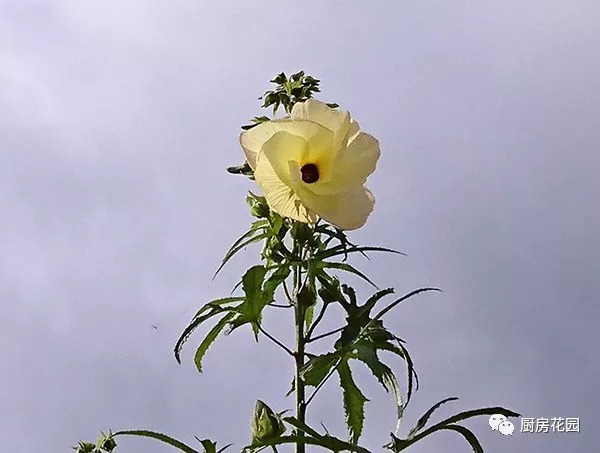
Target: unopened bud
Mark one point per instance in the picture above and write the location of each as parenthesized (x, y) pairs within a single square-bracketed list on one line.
[(265, 423), (107, 442), (85, 447)]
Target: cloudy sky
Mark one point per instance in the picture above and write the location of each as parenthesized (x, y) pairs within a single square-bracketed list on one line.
[(117, 120)]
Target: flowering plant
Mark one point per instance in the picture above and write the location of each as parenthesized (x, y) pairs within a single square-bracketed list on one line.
[(311, 167)]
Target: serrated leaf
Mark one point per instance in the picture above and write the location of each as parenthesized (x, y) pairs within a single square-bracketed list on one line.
[(346, 268), (349, 291), (354, 402), (214, 307), (398, 445), (276, 279), (209, 339), (477, 412), (336, 251), (158, 436), (423, 420), (251, 236), (250, 311), (402, 299), (330, 290), (252, 283), (468, 435), (384, 375), (327, 442), (365, 310), (314, 371), (413, 380)]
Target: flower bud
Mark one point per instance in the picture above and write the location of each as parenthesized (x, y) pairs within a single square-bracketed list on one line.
[(265, 423), (85, 447), (301, 232), (107, 442), (258, 206)]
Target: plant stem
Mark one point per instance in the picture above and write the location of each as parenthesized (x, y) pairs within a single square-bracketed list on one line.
[(299, 312), (323, 335), (276, 341)]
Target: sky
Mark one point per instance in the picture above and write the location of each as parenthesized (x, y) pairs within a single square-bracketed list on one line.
[(117, 121)]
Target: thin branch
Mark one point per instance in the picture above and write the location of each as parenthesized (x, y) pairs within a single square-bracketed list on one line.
[(323, 381), (280, 305), (287, 293), (316, 321), (323, 335), (276, 341)]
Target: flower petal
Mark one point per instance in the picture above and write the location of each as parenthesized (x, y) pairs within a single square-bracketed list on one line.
[(284, 151), (353, 165), (280, 196), (346, 210), (336, 121), (253, 139)]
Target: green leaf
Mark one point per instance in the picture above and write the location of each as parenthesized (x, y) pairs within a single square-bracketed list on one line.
[(158, 436), (423, 420), (477, 412), (336, 251), (251, 236), (403, 298), (450, 423), (214, 308), (327, 442), (312, 438), (413, 380), (279, 78), (314, 371), (209, 339), (398, 445), (347, 268), (216, 303), (384, 375), (276, 279), (245, 168), (246, 127), (252, 284), (468, 435), (354, 402), (330, 290), (365, 310), (221, 450), (208, 445), (349, 291), (256, 299)]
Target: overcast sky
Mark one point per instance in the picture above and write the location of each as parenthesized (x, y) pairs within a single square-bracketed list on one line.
[(117, 120)]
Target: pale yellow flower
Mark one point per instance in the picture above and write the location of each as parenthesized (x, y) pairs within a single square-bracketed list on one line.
[(314, 164)]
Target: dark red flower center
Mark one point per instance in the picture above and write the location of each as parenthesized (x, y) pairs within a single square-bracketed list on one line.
[(310, 173)]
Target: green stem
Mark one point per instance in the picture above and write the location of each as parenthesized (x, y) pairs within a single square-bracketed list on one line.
[(323, 335), (300, 313), (276, 341)]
